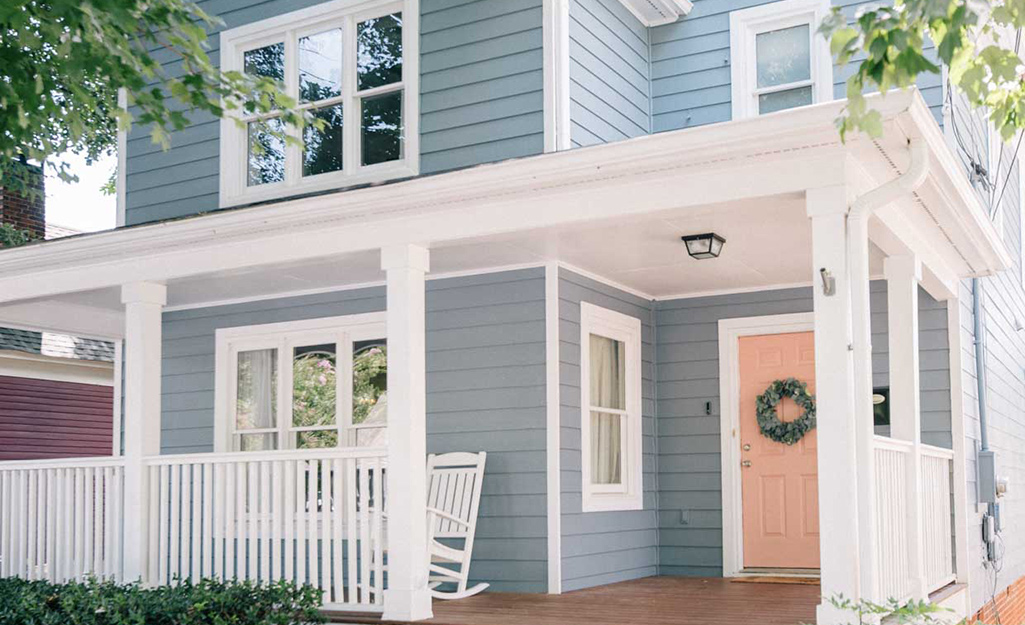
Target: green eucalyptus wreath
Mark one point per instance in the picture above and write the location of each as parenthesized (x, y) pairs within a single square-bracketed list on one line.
[(787, 432)]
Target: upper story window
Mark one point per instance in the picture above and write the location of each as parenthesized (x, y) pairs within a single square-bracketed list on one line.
[(352, 65), (302, 385), (779, 61), (610, 423)]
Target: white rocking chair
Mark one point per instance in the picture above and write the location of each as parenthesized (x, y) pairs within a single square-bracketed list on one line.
[(453, 497)]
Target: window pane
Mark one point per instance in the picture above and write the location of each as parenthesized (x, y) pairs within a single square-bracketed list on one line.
[(608, 373), (379, 50), (322, 149), (313, 386), (320, 66), (266, 152), (370, 383), (268, 61), (257, 442), (317, 439), (382, 128), (783, 56), (256, 405), (606, 446), (780, 100)]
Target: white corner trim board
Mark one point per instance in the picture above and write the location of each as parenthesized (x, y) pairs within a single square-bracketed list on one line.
[(553, 429), (730, 331)]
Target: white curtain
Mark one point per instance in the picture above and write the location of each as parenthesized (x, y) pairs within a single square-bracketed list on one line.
[(257, 405), (608, 390)]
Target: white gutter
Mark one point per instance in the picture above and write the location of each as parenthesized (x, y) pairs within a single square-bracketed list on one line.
[(858, 274)]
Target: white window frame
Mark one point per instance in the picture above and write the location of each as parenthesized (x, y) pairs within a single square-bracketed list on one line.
[(630, 494), (746, 24), (342, 331), (289, 28)]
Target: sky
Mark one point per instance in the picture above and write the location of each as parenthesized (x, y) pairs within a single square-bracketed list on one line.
[(81, 205)]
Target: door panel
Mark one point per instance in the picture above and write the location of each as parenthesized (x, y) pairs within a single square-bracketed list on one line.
[(780, 486)]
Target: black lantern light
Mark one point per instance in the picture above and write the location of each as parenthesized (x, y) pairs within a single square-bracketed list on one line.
[(701, 246)]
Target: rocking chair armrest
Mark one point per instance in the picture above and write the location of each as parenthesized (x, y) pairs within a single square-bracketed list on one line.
[(447, 516)]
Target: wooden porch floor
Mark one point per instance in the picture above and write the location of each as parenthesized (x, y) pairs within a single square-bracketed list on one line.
[(650, 601)]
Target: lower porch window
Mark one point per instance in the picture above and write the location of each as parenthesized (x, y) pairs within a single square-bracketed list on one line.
[(305, 385), (611, 417)]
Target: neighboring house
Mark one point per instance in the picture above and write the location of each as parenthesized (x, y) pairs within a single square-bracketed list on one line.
[(535, 301), (56, 391)]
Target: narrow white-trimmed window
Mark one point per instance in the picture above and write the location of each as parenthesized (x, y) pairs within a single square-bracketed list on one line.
[(302, 385), (611, 431), (352, 66), (778, 59)]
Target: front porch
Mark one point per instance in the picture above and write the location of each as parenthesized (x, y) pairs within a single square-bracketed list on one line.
[(648, 601), (480, 280)]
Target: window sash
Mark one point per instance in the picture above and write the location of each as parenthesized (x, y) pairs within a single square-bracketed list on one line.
[(351, 100), (285, 344), (785, 87)]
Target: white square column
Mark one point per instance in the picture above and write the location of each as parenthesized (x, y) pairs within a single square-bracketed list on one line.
[(407, 597), (144, 302), (903, 274), (840, 563)]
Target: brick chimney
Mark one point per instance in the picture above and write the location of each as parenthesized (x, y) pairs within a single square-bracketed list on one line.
[(25, 209)]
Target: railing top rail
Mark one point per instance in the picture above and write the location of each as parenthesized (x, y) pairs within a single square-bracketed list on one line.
[(258, 456), (892, 444), (937, 452), (62, 463)]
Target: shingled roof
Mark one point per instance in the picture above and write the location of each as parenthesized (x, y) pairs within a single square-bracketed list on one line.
[(56, 345)]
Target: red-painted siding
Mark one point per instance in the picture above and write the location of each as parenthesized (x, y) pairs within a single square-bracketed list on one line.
[(48, 419)]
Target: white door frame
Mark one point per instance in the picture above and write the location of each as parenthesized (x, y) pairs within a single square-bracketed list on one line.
[(730, 331)]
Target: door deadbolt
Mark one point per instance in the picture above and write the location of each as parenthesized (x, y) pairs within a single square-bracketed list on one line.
[(747, 446), (745, 463)]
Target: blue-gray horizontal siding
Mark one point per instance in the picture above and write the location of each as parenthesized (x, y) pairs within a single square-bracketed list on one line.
[(690, 67), (689, 462), (481, 82), (485, 391), (603, 547), (480, 101), (609, 80)]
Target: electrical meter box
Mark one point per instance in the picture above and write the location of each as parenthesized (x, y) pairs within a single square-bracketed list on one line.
[(987, 477)]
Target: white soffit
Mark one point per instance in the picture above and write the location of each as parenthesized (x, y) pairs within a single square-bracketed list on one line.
[(658, 12)]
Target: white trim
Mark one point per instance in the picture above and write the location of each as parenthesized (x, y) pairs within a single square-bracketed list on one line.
[(121, 179), (963, 509), (607, 281), (553, 418), (342, 330), (669, 11), (347, 287), (737, 291), (119, 363), (630, 494), (747, 23), (556, 75), (289, 27), (17, 364), (730, 331)]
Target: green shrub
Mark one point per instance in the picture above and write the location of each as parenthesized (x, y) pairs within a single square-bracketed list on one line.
[(207, 602)]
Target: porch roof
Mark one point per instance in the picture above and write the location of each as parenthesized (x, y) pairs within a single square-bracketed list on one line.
[(465, 217)]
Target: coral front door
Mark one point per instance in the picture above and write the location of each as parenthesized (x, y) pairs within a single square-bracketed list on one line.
[(779, 482)]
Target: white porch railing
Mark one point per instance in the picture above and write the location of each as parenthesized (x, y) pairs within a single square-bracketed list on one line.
[(312, 516), (937, 517), (61, 519), (892, 548)]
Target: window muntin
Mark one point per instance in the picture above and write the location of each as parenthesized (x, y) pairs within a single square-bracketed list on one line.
[(347, 67), (779, 61), (310, 398), (611, 419)]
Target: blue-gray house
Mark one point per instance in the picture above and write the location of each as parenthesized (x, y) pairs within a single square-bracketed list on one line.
[(619, 246)]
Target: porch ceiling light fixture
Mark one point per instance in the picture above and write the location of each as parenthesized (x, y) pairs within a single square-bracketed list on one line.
[(702, 246)]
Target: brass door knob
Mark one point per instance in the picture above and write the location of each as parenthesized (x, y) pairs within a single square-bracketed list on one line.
[(747, 446), (745, 463)]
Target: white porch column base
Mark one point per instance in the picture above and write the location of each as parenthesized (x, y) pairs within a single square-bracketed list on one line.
[(407, 597), (143, 302), (903, 274), (834, 382)]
